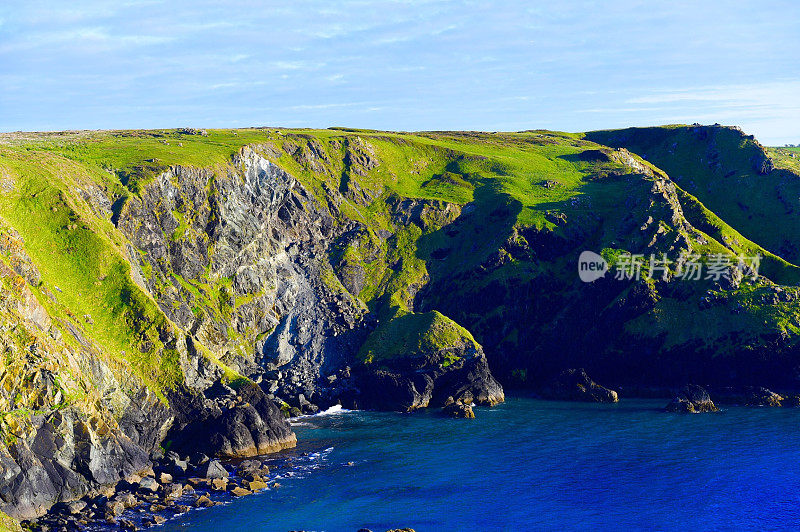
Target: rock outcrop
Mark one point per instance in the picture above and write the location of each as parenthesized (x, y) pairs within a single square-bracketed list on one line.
[(575, 385), (421, 360), (748, 396), (691, 399)]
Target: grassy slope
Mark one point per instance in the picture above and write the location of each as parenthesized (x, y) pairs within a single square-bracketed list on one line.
[(715, 164)]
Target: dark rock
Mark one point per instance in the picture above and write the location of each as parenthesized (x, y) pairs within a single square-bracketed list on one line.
[(203, 502), (458, 410), (175, 465), (748, 396), (75, 507), (692, 399), (252, 426), (424, 380), (127, 524), (575, 385)]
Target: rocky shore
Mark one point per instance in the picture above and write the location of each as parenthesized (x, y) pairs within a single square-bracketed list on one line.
[(173, 487)]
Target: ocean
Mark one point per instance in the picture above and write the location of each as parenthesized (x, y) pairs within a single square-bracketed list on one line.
[(529, 465)]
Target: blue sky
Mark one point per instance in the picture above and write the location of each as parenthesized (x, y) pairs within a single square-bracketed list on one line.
[(400, 65)]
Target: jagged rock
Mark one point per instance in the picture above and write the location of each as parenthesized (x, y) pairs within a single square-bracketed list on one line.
[(127, 498), (692, 399), (256, 485), (219, 484), (240, 492), (422, 359), (76, 507), (214, 469), (748, 396), (148, 484), (176, 465), (172, 491), (458, 410), (114, 508), (203, 502), (575, 385), (250, 427)]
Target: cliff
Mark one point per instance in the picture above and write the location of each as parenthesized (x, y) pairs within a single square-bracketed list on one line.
[(185, 291)]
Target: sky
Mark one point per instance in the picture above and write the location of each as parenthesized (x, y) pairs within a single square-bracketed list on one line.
[(406, 65)]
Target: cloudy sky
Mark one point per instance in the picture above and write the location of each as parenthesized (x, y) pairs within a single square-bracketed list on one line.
[(400, 65)]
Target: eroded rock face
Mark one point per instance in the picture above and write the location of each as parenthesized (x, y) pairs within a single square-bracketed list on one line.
[(292, 324), (60, 450), (258, 227), (575, 385), (247, 424), (692, 399)]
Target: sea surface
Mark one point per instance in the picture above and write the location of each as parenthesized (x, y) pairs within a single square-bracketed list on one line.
[(530, 465)]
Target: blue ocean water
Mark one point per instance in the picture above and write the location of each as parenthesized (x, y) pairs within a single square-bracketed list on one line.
[(531, 465)]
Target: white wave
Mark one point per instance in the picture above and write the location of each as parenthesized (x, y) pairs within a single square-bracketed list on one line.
[(332, 411)]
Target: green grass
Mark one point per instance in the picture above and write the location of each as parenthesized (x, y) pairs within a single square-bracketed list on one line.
[(718, 169), (414, 336), (79, 257)]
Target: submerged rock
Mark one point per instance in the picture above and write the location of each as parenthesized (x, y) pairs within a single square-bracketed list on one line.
[(575, 385), (692, 399)]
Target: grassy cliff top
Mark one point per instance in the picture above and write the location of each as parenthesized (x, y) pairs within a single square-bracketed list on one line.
[(61, 191)]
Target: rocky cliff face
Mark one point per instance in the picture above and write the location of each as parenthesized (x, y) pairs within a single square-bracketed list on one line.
[(64, 406)]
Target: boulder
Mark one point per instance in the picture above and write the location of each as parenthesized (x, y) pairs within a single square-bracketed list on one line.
[(114, 508), (691, 399), (240, 492), (575, 385), (148, 484), (458, 410), (256, 485), (214, 469), (219, 484), (75, 507), (175, 465), (172, 491), (748, 396), (203, 502)]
